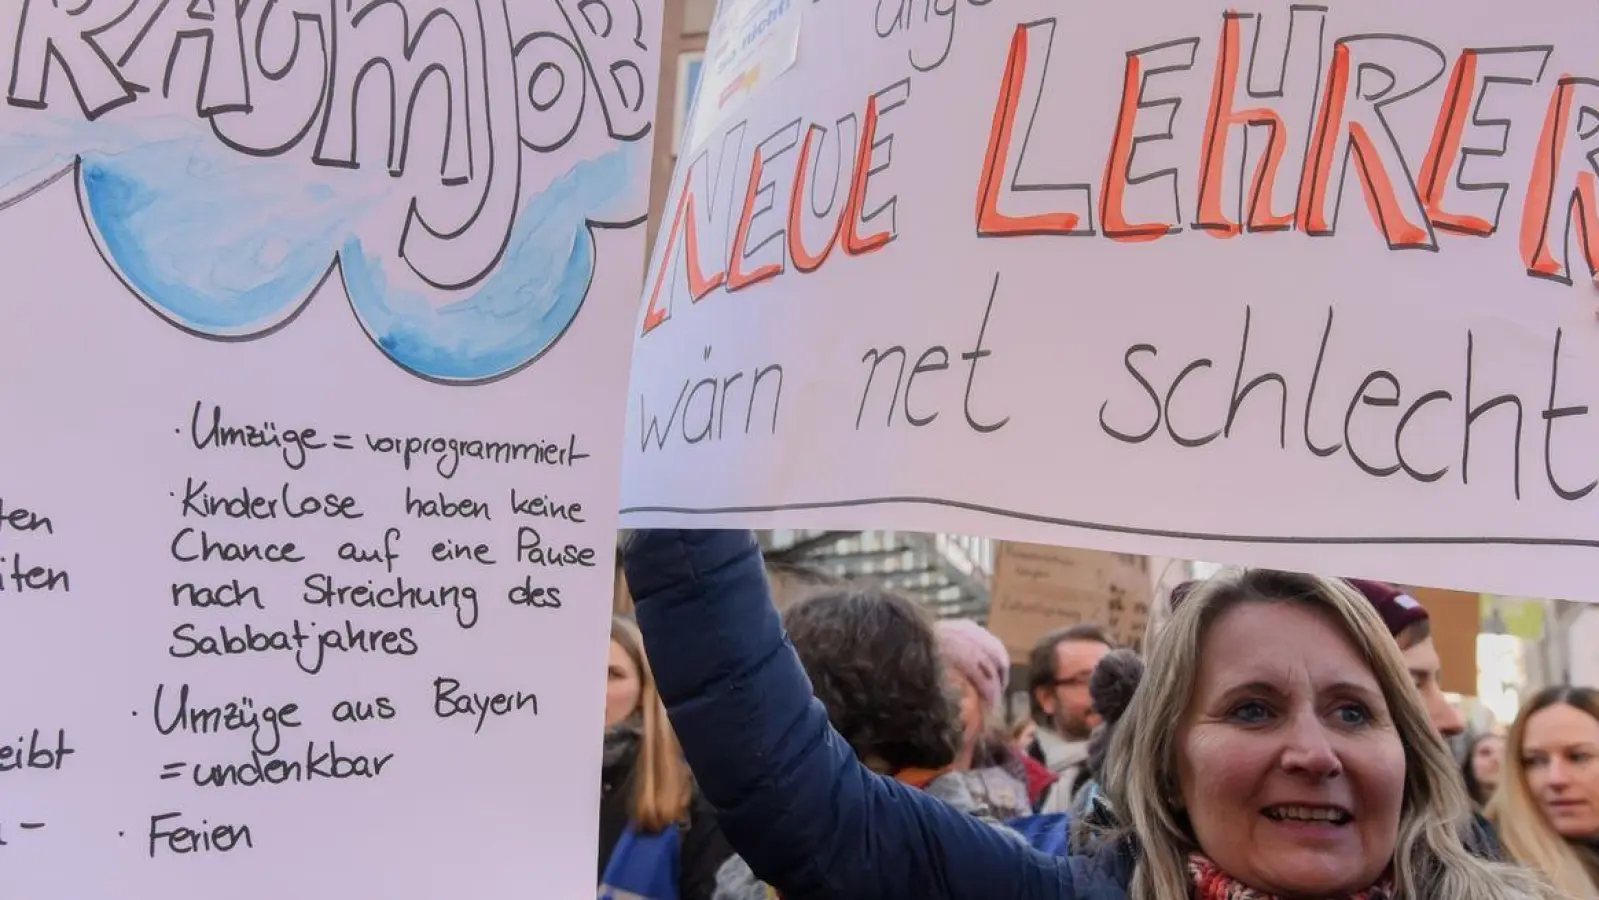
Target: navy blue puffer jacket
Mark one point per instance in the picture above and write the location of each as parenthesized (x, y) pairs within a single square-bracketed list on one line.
[(792, 799)]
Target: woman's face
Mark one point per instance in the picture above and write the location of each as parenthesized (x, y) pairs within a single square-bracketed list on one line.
[(1025, 733), (1486, 758), (621, 686), (1561, 755), (1291, 771)]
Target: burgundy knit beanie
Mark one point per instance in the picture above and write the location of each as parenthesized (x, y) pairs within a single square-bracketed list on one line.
[(1398, 609)]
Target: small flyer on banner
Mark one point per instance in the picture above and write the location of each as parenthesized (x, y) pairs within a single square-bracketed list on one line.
[(752, 42)]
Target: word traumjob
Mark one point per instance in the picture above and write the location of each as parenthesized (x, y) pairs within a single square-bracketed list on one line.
[(743, 217), (261, 104)]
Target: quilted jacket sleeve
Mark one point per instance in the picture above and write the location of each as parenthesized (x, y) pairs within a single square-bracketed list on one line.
[(790, 795)]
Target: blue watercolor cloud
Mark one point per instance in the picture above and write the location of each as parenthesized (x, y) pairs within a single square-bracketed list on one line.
[(210, 261), (232, 247), (515, 313)]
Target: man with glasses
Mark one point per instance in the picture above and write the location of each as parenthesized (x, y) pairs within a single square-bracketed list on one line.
[(1058, 672)]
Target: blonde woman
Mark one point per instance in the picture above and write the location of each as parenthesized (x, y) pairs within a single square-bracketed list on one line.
[(658, 839), (1485, 759), (1278, 748), (1547, 805)]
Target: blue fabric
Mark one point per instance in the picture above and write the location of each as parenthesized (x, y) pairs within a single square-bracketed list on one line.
[(643, 866), (1046, 832), (792, 799)]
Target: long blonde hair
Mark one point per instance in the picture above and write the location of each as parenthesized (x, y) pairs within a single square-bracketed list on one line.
[(662, 787), (1430, 862), (1523, 828)]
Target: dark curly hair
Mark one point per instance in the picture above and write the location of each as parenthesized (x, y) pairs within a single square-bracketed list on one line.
[(873, 661), (1111, 686)]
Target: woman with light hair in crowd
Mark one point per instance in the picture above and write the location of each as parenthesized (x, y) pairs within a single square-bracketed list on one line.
[(1484, 760), (658, 836), (1411, 627), (1547, 805), (1280, 750)]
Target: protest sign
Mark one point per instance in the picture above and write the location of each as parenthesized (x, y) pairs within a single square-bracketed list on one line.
[(1038, 588), (1279, 284), (317, 322)]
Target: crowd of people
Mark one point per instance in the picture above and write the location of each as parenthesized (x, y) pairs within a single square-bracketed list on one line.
[(1278, 736)]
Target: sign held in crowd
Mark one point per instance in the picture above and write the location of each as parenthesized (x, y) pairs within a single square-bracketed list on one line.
[(1280, 284), (318, 321)]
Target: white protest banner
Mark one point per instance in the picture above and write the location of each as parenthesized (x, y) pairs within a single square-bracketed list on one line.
[(1277, 283), (316, 329)]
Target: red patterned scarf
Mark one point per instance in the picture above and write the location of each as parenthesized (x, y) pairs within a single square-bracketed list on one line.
[(1211, 883)]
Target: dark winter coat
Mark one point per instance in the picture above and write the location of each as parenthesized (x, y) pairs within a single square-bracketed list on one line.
[(792, 799)]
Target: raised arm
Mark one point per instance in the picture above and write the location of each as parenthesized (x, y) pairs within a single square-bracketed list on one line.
[(793, 801)]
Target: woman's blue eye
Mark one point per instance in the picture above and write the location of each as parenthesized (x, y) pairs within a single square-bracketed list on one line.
[(1251, 713), (1354, 714)]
